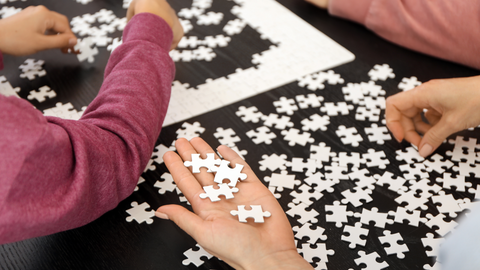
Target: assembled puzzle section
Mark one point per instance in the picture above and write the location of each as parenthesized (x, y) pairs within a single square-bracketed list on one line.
[(285, 30)]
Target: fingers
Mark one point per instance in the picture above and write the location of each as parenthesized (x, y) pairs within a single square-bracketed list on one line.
[(54, 29), (403, 112), (196, 146), (319, 3), (435, 137), (182, 176), (60, 41), (162, 9)]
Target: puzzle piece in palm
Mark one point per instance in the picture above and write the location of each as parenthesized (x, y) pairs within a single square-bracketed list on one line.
[(214, 193), (256, 213), (197, 162), (225, 172)]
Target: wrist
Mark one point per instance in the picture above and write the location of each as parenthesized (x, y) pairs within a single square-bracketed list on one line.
[(290, 260)]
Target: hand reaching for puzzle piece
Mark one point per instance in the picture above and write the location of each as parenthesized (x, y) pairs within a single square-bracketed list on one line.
[(242, 245), (449, 105), (25, 33)]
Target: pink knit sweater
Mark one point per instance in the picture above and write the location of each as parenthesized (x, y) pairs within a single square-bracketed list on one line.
[(60, 174), (444, 29)]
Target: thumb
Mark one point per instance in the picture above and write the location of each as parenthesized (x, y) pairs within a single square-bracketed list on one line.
[(186, 220), (434, 137), (57, 41)]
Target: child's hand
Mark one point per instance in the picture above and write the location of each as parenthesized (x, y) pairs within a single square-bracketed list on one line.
[(319, 3), (268, 245), (26, 32), (452, 105), (163, 10)]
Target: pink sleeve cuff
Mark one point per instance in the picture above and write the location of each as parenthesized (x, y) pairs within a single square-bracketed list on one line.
[(354, 10)]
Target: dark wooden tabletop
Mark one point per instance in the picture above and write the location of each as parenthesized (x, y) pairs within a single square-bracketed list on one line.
[(111, 242)]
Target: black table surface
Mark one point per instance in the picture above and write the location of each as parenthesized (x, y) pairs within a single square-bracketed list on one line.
[(112, 243)]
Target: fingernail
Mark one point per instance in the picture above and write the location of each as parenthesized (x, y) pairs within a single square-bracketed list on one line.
[(161, 215), (426, 150), (72, 41)]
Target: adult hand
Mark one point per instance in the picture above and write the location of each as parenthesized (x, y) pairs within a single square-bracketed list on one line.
[(35, 29), (268, 245), (319, 3), (162, 9), (451, 105)]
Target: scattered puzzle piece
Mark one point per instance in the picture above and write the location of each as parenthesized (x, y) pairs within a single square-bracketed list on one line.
[(256, 213)]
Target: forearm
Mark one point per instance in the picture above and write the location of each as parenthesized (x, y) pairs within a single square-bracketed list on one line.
[(436, 28), (63, 174)]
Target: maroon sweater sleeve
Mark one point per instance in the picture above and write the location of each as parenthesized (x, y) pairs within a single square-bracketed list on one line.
[(60, 174), (445, 29)]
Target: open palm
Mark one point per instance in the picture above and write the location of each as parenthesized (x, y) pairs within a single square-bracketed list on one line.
[(242, 245)]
